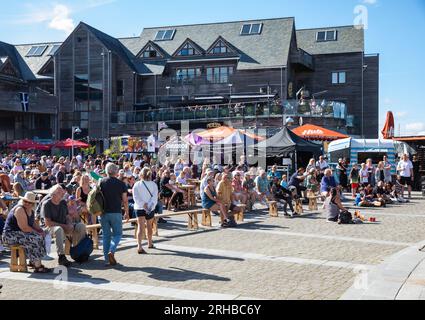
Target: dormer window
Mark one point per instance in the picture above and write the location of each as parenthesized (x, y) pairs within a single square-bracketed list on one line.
[(150, 53), (326, 36), (253, 28), (54, 49), (220, 48), (36, 51), (164, 35), (187, 50)]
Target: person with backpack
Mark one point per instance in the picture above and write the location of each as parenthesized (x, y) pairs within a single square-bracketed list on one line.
[(115, 198), (145, 196), (333, 206)]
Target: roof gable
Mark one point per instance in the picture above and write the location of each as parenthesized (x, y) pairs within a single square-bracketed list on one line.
[(222, 43), (188, 49), (162, 54), (7, 68), (24, 72)]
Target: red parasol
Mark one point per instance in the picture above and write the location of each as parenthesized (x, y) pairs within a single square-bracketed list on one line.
[(388, 131), (69, 143), (29, 145)]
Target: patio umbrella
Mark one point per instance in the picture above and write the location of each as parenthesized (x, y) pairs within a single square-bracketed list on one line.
[(29, 145), (316, 133), (388, 130), (69, 143)]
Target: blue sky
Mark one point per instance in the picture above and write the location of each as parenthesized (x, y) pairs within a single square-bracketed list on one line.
[(395, 30)]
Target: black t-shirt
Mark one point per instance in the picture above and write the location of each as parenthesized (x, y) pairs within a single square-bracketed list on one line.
[(112, 190), (60, 177), (41, 184), (164, 189)]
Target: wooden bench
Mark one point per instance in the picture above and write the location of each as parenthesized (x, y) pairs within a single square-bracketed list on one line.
[(18, 261), (273, 210), (192, 224)]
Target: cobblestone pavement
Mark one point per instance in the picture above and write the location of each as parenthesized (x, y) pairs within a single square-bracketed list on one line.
[(264, 258)]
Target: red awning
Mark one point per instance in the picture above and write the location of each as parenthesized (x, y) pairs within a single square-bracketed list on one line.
[(68, 144), (316, 133), (388, 130), (29, 145)]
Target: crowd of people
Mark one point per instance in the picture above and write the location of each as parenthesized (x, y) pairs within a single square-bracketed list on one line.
[(139, 188)]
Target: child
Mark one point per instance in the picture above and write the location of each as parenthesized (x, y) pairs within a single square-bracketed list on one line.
[(354, 179), (364, 175), (284, 182)]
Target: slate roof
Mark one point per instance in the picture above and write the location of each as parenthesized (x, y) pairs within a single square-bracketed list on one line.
[(349, 39), (270, 49), (8, 50), (35, 63)]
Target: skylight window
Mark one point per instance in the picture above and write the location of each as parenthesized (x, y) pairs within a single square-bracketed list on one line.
[(163, 35), (326, 36), (36, 51), (253, 28), (54, 49)]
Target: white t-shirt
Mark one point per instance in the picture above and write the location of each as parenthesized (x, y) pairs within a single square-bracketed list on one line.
[(364, 176), (137, 163), (404, 167)]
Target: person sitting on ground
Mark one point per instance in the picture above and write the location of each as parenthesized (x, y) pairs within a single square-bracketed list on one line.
[(283, 196), (333, 205), (381, 193), (328, 182), (20, 229), (372, 196), (262, 186), (362, 200), (55, 218), (212, 203)]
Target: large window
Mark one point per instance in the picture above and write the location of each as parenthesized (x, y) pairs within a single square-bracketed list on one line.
[(187, 75), (88, 97), (339, 77), (219, 74)]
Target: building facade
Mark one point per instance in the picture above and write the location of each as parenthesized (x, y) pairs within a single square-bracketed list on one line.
[(249, 74)]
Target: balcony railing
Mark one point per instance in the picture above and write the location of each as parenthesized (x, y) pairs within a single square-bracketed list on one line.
[(236, 111), (303, 58)]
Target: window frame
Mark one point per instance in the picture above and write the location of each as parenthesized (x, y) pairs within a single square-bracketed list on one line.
[(326, 32), (250, 33), (163, 38), (216, 78), (35, 49), (338, 77)]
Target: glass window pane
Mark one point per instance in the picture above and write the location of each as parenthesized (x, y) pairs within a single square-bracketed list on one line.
[(168, 34), (334, 78), (246, 29), (330, 35), (255, 28), (32, 51), (321, 36), (342, 77), (160, 35), (40, 50)]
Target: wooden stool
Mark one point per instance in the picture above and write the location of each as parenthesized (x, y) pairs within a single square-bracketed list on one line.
[(18, 262), (299, 206), (192, 223), (312, 201), (273, 211), (240, 215), (206, 218)]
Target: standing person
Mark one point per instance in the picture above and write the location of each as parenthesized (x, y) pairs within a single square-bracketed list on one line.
[(371, 172), (364, 175), (145, 195), (405, 171), (115, 195), (387, 166), (341, 171), (178, 167), (380, 172), (416, 174), (354, 179), (321, 165)]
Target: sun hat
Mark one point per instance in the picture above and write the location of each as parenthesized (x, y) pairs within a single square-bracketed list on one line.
[(29, 197)]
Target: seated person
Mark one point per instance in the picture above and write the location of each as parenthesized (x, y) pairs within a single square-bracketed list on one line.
[(381, 193), (363, 200), (398, 191), (273, 173), (283, 196), (328, 182), (333, 205), (56, 220), (311, 182), (21, 229), (284, 181), (372, 196), (43, 182), (212, 203), (238, 191), (169, 191), (262, 186), (249, 188), (225, 194), (296, 181)]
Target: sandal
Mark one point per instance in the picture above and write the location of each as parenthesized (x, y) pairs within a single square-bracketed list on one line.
[(42, 269), (152, 247), (141, 251)]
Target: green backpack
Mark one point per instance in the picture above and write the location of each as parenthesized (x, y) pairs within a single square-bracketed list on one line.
[(96, 201)]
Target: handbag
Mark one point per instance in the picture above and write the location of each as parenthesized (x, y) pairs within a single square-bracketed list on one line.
[(345, 217), (151, 213)]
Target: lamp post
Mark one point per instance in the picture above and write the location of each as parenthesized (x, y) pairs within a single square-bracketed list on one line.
[(75, 130), (168, 95), (230, 93)]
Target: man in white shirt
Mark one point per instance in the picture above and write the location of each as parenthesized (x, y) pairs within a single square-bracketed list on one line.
[(79, 160), (321, 165), (405, 171)]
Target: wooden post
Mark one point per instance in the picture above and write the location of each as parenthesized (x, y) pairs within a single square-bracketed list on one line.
[(206, 218), (273, 209), (18, 261)]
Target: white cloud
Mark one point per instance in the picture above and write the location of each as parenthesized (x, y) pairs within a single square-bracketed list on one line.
[(370, 1), (61, 19), (415, 128), (98, 3)]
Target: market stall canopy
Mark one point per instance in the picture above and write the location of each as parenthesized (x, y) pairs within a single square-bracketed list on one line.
[(388, 130), (69, 143), (216, 134), (220, 134), (239, 137), (316, 133), (29, 145), (370, 145), (285, 142)]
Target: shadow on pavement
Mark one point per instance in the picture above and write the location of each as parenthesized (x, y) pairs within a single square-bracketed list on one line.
[(180, 275), (194, 255)]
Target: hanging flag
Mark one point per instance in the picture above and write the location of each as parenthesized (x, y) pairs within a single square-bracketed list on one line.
[(388, 130), (24, 101)]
